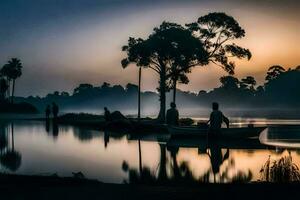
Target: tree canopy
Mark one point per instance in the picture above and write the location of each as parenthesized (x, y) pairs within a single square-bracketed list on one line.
[(216, 31), (172, 49)]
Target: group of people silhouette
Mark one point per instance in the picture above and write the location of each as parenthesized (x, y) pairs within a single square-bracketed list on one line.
[(215, 121), (54, 109)]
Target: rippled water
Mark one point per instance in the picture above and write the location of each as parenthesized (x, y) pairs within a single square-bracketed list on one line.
[(32, 147)]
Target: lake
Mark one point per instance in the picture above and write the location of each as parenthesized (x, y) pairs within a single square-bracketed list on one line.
[(37, 148)]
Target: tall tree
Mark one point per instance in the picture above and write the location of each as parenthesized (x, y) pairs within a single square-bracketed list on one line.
[(170, 46), (12, 70)]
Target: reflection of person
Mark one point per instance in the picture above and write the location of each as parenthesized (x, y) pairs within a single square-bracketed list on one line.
[(216, 119), (55, 129), (172, 115), (47, 126), (106, 138), (217, 158), (55, 110), (47, 112)]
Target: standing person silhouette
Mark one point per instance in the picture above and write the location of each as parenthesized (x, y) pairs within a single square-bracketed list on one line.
[(48, 112), (172, 115), (107, 115), (216, 119), (55, 110)]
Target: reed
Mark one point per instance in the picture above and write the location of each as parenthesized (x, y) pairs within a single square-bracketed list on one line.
[(282, 170)]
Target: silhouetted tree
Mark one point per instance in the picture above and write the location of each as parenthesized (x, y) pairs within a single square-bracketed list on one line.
[(248, 83), (284, 89), (3, 88), (105, 85), (82, 87), (64, 94), (131, 88), (12, 70), (170, 46), (202, 92), (259, 91), (229, 82), (274, 71), (216, 31)]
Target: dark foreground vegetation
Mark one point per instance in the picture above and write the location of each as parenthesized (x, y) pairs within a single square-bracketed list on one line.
[(18, 108), (37, 187)]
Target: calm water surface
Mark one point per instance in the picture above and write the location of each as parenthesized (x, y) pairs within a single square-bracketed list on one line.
[(32, 147)]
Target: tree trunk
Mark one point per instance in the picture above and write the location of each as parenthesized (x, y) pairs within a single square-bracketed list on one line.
[(13, 92), (139, 95), (174, 91), (8, 89), (162, 95), (12, 137), (162, 173), (140, 158)]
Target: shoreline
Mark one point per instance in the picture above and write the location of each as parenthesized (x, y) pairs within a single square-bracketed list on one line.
[(50, 187)]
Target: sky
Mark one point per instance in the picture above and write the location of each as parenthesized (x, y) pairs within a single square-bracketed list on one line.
[(63, 43)]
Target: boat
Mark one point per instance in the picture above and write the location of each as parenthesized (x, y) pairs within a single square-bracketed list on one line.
[(195, 131), (287, 136), (202, 143)]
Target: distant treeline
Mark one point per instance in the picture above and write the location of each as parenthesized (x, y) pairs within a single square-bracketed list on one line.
[(280, 90)]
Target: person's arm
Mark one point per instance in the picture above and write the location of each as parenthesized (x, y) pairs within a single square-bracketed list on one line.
[(177, 118), (210, 118), (226, 120)]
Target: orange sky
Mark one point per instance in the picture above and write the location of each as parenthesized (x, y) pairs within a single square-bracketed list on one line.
[(67, 44)]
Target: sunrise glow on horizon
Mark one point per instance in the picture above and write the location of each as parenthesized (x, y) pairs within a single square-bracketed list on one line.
[(63, 45)]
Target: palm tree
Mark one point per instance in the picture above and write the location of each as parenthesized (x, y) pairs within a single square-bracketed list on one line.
[(3, 88), (12, 70)]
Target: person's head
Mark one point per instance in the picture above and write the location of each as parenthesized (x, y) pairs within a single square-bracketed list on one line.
[(215, 106), (105, 108), (172, 105)]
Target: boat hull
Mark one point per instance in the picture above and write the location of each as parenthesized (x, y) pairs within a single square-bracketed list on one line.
[(246, 132)]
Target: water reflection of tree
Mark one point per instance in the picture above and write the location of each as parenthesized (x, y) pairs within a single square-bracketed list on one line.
[(10, 158), (3, 138), (181, 174)]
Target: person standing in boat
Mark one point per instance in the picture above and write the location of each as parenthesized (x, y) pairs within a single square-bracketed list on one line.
[(172, 115), (216, 119)]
